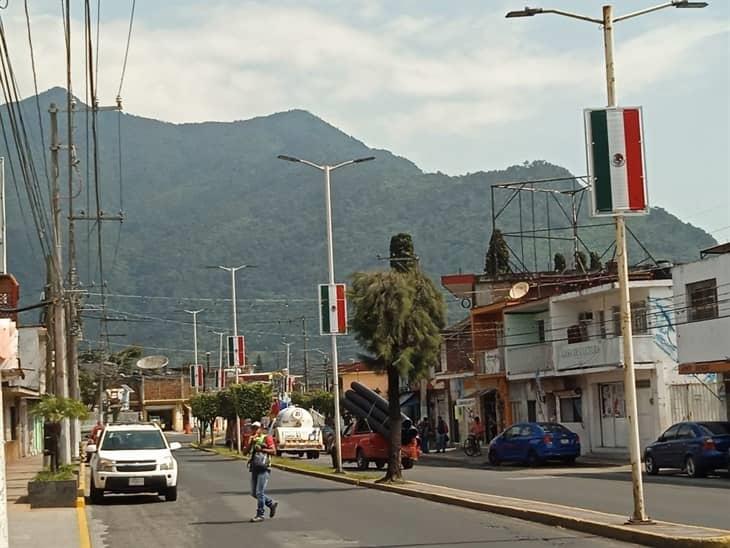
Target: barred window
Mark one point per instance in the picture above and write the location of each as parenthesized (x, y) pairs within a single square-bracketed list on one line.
[(702, 300)]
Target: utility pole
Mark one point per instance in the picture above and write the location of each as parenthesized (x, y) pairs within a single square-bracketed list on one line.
[(306, 358), (72, 304), (3, 479), (59, 330)]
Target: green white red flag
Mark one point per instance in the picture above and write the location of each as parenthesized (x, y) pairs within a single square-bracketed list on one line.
[(616, 168), (332, 309)]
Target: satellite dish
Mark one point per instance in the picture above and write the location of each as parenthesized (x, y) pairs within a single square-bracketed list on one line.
[(519, 290), (152, 362)]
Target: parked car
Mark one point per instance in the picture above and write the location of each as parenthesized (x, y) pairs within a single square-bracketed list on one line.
[(695, 447), (534, 443), (133, 458), (328, 437), (362, 445)]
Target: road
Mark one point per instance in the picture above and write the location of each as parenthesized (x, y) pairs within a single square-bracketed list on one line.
[(214, 508), (669, 497)]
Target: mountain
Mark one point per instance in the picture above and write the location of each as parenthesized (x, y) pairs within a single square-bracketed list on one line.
[(204, 194)]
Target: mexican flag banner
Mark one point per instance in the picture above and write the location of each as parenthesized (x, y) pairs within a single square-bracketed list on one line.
[(615, 152), (332, 309)]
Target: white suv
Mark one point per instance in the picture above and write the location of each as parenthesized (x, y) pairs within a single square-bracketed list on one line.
[(133, 458)]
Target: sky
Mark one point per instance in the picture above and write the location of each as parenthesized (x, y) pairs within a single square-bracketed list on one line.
[(452, 86)]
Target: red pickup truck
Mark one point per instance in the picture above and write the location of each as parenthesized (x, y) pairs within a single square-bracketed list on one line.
[(360, 444)]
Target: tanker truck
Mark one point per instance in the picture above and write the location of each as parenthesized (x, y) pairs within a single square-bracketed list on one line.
[(293, 431)]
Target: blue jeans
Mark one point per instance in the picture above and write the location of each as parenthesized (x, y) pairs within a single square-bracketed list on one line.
[(440, 443), (258, 490)]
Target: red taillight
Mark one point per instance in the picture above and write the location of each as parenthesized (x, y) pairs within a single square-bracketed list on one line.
[(709, 445), (548, 439)]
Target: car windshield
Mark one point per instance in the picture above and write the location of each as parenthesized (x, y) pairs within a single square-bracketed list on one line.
[(554, 428), (715, 428), (125, 440)]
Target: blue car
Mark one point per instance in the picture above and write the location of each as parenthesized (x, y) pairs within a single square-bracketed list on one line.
[(534, 443), (695, 447)]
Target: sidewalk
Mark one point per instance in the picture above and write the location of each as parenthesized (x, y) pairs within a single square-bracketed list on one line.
[(40, 526)]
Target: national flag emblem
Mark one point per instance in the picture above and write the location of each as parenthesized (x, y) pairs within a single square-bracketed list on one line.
[(236, 351), (196, 376), (616, 168), (332, 309)]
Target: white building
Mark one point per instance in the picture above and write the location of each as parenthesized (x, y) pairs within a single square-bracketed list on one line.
[(702, 302), (564, 362)]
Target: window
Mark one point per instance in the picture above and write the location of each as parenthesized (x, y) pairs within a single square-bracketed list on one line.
[(362, 427), (702, 300), (616, 320), (525, 432), (540, 330), (512, 432), (124, 440), (715, 428), (531, 411), (639, 325), (638, 318), (685, 432), (585, 319), (671, 433), (571, 409), (601, 323)]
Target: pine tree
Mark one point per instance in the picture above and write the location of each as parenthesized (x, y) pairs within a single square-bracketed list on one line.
[(497, 259)]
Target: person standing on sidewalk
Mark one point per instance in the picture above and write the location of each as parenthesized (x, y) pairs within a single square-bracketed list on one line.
[(442, 432), (260, 449)]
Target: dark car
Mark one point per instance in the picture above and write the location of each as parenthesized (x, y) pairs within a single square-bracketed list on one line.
[(695, 447), (534, 443)]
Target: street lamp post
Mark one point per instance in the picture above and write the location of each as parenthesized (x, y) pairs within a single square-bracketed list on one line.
[(327, 169), (195, 331), (233, 270), (607, 21)]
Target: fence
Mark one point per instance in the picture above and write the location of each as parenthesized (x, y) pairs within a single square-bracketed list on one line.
[(697, 402)]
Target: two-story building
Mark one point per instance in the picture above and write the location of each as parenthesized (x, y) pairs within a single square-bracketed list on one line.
[(702, 304), (564, 361)]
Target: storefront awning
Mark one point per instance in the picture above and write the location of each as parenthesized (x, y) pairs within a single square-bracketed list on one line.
[(478, 393)]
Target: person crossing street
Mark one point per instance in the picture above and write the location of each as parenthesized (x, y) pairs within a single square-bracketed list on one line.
[(260, 449)]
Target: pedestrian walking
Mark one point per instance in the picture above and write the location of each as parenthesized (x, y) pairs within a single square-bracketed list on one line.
[(442, 435), (260, 449)]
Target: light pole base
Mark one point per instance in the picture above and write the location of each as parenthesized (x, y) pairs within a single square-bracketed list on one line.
[(639, 521)]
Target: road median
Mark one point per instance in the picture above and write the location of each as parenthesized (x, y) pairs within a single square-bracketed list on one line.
[(659, 533)]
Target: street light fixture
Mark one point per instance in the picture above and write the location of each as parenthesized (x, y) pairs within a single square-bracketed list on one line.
[(327, 169), (607, 21)]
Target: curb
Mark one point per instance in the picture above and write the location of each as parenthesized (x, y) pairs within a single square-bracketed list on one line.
[(615, 531), (84, 535)]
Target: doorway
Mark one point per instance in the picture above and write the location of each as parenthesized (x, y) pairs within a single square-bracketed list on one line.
[(613, 415)]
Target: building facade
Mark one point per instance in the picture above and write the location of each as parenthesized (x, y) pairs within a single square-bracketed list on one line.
[(702, 303)]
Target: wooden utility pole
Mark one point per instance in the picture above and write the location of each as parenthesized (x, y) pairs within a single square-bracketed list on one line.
[(72, 311), (57, 305)]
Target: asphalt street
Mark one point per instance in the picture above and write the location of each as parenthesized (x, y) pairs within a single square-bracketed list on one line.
[(214, 508), (671, 496)]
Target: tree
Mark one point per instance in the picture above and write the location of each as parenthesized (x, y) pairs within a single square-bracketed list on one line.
[(251, 400), (559, 262), (595, 262), (54, 409), (497, 260), (402, 254), (398, 319), (319, 400), (581, 262), (205, 407)]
